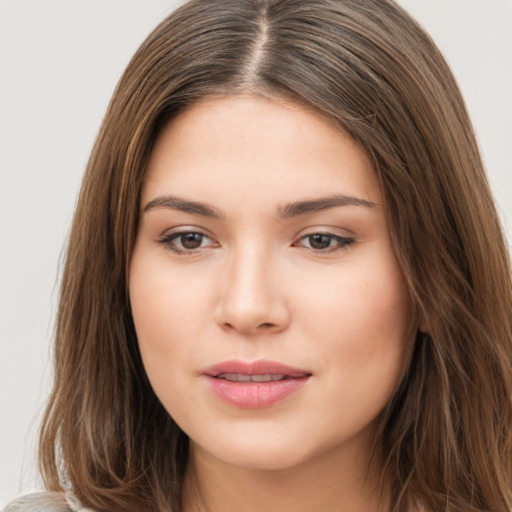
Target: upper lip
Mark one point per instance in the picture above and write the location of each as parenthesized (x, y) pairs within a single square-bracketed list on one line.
[(259, 367)]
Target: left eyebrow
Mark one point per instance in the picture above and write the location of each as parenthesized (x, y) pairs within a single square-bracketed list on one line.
[(324, 203)]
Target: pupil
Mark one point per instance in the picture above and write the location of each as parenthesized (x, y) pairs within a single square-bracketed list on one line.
[(191, 240), (320, 241)]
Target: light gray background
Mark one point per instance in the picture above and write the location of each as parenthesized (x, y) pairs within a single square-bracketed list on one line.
[(59, 63)]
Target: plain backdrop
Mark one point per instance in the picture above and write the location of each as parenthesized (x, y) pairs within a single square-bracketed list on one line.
[(59, 63)]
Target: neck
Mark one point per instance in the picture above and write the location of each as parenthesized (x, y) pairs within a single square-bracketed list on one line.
[(337, 482)]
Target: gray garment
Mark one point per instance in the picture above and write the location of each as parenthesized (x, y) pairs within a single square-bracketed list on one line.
[(46, 502)]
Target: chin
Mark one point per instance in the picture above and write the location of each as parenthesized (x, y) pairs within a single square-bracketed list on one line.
[(259, 452), (280, 445)]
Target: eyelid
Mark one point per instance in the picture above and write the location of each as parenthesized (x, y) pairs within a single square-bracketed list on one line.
[(168, 237), (326, 229), (343, 242)]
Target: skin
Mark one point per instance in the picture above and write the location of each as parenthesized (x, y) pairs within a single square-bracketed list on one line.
[(260, 286)]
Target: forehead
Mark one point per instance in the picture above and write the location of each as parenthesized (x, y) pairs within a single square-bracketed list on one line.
[(246, 146)]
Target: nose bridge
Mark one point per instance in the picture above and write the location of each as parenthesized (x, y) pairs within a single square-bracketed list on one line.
[(251, 299)]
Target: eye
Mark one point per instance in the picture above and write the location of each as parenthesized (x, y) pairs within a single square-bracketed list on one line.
[(182, 242), (324, 242)]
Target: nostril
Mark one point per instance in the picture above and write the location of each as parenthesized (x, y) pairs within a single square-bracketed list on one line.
[(263, 326)]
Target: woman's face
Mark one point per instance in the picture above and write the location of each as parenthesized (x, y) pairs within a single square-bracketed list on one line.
[(271, 314)]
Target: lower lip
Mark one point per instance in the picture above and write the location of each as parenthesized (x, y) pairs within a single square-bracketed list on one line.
[(255, 395)]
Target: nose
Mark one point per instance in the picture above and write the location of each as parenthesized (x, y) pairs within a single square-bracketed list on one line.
[(252, 299)]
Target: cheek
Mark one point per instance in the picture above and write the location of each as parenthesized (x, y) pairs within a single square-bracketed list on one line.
[(167, 308), (166, 300), (166, 323), (358, 301), (362, 324)]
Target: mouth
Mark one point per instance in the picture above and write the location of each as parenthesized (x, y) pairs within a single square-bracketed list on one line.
[(235, 370), (256, 384), (242, 377)]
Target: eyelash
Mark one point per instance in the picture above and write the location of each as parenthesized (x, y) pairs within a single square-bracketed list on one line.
[(342, 242), (169, 242)]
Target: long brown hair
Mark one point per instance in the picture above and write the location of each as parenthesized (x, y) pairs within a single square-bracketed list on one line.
[(367, 65)]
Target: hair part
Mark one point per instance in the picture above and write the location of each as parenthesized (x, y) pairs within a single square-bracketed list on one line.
[(372, 70)]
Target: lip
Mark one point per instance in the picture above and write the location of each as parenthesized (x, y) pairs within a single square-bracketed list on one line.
[(255, 395)]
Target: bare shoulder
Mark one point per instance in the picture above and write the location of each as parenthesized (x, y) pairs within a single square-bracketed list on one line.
[(40, 502)]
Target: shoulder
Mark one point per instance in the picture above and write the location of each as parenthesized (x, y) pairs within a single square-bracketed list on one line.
[(44, 502), (40, 502)]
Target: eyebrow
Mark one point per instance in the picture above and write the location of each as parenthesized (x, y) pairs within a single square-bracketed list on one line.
[(184, 205), (315, 205), (287, 211)]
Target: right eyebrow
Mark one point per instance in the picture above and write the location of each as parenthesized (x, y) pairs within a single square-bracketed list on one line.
[(184, 205)]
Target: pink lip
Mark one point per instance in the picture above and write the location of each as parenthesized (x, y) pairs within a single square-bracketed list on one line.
[(255, 395)]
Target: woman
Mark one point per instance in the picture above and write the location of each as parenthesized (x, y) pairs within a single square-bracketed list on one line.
[(286, 286)]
